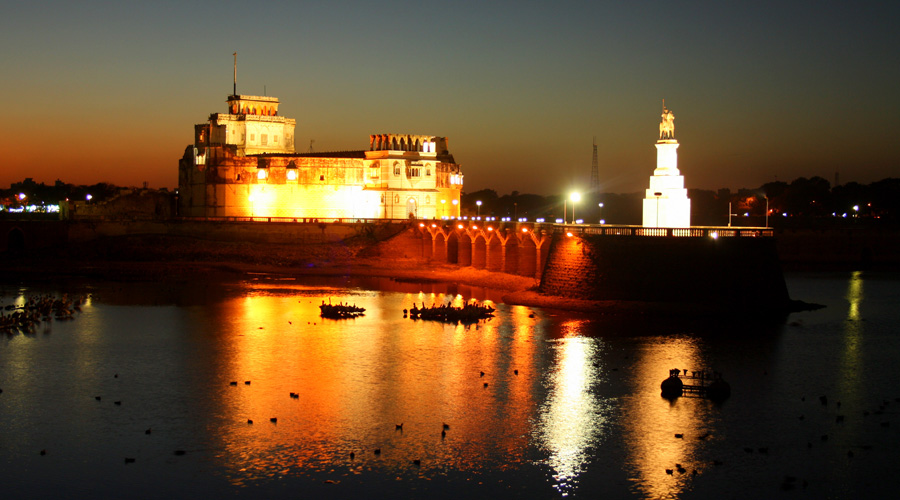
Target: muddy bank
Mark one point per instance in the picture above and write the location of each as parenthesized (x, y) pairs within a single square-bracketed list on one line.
[(179, 259)]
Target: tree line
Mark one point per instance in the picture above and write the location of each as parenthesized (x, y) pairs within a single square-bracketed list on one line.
[(802, 201)]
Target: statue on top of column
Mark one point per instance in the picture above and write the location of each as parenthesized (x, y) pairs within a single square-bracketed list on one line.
[(667, 124)]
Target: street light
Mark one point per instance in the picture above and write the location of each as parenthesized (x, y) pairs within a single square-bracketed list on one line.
[(478, 212), (601, 211), (575, 197)]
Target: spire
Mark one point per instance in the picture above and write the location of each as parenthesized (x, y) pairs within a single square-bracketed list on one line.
[(595, 170), (234, 90)]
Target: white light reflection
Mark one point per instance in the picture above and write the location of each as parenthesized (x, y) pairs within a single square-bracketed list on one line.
[(572, 419), (854, 295), (851, 365)]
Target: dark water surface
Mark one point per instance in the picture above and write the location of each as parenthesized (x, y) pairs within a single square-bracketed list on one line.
[(582, 418)]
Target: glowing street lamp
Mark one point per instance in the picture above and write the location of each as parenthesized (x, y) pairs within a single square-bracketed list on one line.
[(478, 204), (575, 197), (89, 197)]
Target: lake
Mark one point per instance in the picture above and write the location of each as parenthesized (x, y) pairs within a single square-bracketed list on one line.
[(135, 398)]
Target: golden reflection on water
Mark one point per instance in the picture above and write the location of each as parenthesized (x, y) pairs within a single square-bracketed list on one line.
[(573, 419), (358, 379), (651, 422), (851, 376)]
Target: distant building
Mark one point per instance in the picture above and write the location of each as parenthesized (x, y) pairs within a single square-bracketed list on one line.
[(243, 164), (666, 203)]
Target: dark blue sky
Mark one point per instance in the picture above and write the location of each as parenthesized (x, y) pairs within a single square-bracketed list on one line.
[(109, 91)]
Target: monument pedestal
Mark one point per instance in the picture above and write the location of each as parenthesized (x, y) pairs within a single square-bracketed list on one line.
[(666, 203)]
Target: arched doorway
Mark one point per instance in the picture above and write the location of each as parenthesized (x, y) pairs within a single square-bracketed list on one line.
[(411, 208)]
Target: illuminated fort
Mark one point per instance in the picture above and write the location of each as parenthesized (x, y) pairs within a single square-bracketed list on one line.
[(243, 164)]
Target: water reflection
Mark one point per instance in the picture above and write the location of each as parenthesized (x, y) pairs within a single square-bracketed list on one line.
[(852, 335), (358, 379), (573, 419), (650, 422), (851, 372)]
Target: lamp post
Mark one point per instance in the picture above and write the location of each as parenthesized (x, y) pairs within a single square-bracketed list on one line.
[(767, 211), (478, 209), (600, 205), (575, 197), (729, 214)]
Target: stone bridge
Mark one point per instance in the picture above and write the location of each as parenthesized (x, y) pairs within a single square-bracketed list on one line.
[(523, 248), (726, 268), (515, 248)]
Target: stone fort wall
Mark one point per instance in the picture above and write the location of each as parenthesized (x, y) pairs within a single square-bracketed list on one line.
[(734, 272)]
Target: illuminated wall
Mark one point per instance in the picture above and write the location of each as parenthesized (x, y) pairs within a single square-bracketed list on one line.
[(242, 164)]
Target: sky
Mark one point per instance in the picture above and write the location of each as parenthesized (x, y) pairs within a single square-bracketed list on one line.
[(761, 91)]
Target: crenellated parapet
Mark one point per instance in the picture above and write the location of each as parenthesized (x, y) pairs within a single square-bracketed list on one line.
[(408, 142), (252, 105)]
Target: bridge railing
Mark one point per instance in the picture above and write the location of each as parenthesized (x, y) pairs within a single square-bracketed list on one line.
[(594, 229), (298, 220), (670, 232)]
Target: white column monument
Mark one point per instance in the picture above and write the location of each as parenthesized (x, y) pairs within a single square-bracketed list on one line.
[(666, 203)]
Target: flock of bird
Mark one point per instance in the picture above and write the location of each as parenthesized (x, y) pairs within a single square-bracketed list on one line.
[(790, 482), (26, 317), (35, 310), (376, 451)]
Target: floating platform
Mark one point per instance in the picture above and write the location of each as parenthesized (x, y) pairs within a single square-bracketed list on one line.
[(469, 313), (702, 384), (340, 311)]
